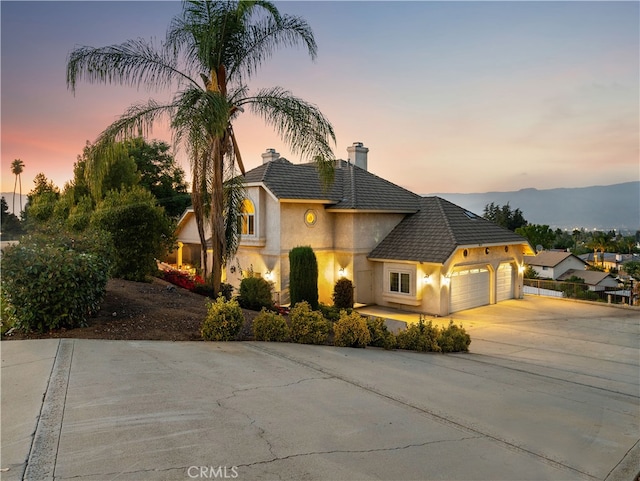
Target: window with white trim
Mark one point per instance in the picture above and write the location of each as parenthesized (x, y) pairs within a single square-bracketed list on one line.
[(400, 282), (247, 219)]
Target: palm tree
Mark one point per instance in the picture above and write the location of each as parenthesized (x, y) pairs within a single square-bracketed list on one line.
[(210, 52), (17, 166), (600, 241)]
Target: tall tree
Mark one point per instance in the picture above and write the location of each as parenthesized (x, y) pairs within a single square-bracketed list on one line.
[(160, 174), (9, 223), (210, 52), (504, 216), (17, 167)]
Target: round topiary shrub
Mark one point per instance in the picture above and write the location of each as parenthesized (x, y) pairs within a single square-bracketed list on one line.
[(307, 326), (269, 326), (255, 293), (223, 322), (343, 294), (351, 330)]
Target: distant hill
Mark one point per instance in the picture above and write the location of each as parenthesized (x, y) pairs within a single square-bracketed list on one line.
[(598, 207), (8, 196)]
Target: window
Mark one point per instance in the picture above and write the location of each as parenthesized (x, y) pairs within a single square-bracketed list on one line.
[(246, 219), (399, 282)]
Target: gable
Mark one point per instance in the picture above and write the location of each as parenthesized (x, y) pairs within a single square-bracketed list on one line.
[(553, 259)]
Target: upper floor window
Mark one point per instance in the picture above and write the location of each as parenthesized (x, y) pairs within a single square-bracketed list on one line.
[(247, 218)]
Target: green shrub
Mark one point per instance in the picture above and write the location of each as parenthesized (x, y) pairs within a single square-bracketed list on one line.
[(343, 294), (331, 313), (7, 313), (454, 338), (223, 322), (351, 330), (80, 214), (226, 291), (420, 337), (140, 230), (303, 277), (255, 293), (307, 326), (269, 326), (380, 335), (49, 285)]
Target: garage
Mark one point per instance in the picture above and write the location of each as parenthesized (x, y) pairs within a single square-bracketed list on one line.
[(469, 288), (504, 282)]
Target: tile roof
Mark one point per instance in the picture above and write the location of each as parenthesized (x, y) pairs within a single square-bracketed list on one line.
[(436, 230), (353, 187), (549, 258), (592, 278)]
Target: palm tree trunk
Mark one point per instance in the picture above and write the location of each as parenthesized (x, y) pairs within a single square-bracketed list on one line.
[(217, 218), (13, 207), (198, 201), (20, 178)]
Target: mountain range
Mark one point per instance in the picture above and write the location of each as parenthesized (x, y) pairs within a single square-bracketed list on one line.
[(598, 207)]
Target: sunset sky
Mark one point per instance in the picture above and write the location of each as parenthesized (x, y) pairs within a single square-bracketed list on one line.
[(448, 96)]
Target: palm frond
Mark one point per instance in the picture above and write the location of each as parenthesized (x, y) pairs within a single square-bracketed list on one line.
[(234, 195), (108, 148), (263, 38), (132, 63), (299, 123)]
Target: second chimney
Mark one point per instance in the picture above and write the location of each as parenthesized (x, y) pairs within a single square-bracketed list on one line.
[(357, 155), (269, 156)]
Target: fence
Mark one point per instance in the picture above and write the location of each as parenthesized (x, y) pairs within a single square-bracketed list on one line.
[(574, 290)]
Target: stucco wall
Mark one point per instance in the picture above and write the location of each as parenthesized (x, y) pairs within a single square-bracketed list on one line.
[(431, 282)]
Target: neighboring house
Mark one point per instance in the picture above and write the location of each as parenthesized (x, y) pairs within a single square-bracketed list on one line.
[(189, 255), (552, 264), (608, 260), (401, 250), (597, 281)]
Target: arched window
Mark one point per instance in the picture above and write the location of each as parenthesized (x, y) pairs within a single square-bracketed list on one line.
[(246, 219)]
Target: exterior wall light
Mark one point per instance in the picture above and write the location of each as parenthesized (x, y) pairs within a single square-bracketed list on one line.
[(445, 280), (426, 279), (268, 275), (342, 272)]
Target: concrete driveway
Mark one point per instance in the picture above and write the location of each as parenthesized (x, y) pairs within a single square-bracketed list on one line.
[(550, 390)]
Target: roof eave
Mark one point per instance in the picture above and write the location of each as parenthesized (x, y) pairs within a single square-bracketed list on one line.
[(371, 211)]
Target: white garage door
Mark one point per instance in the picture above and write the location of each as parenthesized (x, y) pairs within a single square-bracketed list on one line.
[(469, 288), (504, 282)]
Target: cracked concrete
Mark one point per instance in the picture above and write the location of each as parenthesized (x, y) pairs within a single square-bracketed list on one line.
[(534, 400)]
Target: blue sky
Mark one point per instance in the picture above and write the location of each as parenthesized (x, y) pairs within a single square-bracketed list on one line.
[(448, 96)]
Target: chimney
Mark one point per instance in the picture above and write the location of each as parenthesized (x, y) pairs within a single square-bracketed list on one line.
[(358, 155), (269, 156)]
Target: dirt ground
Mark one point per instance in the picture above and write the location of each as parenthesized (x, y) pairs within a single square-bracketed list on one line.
[(143, 311)]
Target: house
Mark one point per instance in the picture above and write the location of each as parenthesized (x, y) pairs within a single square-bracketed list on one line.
[(596, 280), (401, 250), (552, 264), (608, 260)]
